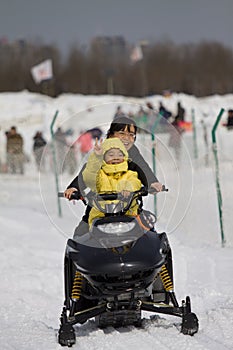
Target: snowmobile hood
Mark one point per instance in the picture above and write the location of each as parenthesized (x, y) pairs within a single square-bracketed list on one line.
[(140, 255)]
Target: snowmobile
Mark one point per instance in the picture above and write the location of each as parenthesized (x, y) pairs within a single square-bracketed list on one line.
[(119, 268)]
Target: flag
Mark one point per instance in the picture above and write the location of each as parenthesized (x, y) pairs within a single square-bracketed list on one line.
[(136, 54), (42, 71)]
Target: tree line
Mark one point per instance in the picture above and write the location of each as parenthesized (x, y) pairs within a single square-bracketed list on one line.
[(200, 69)]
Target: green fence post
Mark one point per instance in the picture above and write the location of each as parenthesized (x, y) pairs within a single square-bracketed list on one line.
[(194, 135), (159, 116), (219, 195), (55, 162)]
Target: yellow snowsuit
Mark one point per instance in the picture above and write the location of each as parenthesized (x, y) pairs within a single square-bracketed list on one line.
[(102, 177)]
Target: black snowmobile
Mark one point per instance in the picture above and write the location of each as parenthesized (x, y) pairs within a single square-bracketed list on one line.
[(118, 269)]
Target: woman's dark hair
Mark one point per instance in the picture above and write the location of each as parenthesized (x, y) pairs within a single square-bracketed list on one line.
[(120, 124)]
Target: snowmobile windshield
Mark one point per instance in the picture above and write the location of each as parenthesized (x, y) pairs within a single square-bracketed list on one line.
[(111, 222), (111, 225), (110, 232)]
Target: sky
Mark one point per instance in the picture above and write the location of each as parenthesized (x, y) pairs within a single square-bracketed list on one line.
[(67, 22), (33, 236)]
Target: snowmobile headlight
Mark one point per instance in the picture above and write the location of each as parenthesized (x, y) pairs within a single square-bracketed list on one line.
[(117, 227)]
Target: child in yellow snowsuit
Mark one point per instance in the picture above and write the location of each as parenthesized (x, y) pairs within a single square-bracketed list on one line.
[(107, 171)]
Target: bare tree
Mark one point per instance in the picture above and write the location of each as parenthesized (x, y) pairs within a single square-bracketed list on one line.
[(200, 69)]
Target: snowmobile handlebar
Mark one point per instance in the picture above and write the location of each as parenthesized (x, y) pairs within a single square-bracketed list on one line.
[(119, 204), (144, 191)]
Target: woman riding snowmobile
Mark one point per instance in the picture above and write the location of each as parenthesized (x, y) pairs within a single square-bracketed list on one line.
[(125, 129)]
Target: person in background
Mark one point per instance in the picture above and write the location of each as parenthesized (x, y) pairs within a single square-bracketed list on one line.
[(180, 116), (141, 118), (229, 123), (39, 144), (164, 112), (107, 171), (7, 152), (84, 142), (61, 149), (71, 152), (119, 113), (15, 154), (96, 133), (125, 129), (71, 161), (175, 138)]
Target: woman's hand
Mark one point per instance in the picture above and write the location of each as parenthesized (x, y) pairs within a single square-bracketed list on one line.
[(69, 191), (157, 186)]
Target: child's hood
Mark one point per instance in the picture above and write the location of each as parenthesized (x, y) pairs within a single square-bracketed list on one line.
[(114, 143)]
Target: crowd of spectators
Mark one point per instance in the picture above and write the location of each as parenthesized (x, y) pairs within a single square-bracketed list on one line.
[(69, 151)]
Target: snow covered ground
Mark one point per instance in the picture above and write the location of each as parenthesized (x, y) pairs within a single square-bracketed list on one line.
[(33, 236)]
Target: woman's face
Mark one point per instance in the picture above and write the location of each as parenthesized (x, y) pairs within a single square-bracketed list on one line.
[(126, 137)]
